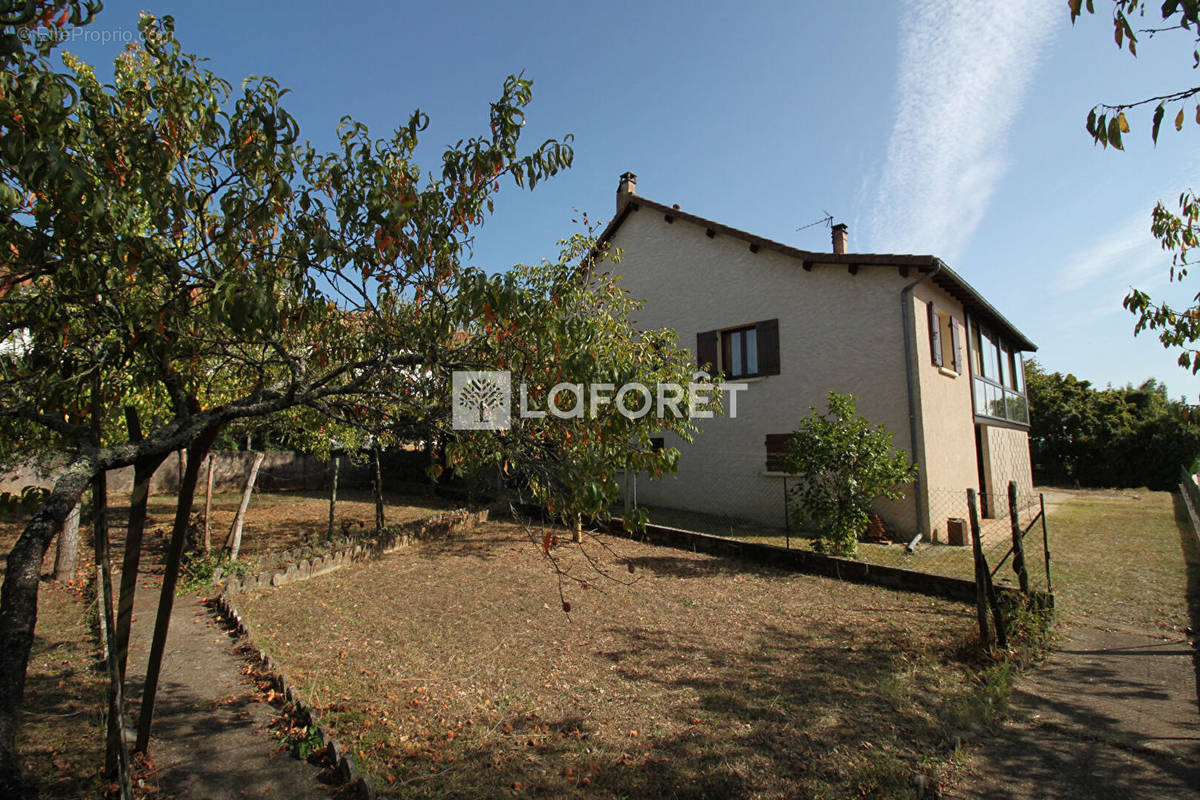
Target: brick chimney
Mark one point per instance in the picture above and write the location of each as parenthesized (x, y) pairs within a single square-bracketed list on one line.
[(841, 240), (626, 189)]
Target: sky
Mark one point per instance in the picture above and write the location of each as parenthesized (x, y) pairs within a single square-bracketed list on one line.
[(949, 128)]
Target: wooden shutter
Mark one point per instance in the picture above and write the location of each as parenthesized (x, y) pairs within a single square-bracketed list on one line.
[(956, 339), (767, 333), (706, 351), (935, 335), (777, 447)]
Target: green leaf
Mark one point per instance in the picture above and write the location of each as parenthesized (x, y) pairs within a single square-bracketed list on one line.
[(1114, 133), (1157, 121)]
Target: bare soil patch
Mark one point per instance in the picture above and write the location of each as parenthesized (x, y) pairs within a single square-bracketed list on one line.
[(278, 521), (451, 670), (61, 740)]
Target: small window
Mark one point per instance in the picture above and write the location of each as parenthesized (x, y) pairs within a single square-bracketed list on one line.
[(739, 352)]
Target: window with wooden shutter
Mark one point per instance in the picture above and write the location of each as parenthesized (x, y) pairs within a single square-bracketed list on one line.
[(935, 334), (768, 346), (957, 343), (706, 351)]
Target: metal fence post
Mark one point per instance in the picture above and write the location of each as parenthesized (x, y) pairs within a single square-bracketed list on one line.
[(787, 517)]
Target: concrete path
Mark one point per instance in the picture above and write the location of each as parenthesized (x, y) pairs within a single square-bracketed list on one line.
[(209, 739), (1113, 714)]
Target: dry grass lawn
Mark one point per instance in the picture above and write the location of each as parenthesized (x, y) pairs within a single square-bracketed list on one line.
[(61, 739), (451, 670), (1122, 556)]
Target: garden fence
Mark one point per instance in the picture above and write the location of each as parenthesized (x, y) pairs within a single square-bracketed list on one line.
[(947, 551)]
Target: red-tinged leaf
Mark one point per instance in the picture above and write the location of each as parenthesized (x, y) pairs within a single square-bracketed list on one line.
[(546, 543)]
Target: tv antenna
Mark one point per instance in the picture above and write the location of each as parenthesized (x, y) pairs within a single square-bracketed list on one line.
[(825, 220)]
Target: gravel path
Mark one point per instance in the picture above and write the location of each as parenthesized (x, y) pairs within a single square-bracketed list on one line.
[(1113, 714)]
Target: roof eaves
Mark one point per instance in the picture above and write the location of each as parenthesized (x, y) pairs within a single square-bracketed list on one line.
[(963, 291)]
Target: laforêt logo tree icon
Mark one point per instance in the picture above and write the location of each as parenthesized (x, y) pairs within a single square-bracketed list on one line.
[(482, 395)]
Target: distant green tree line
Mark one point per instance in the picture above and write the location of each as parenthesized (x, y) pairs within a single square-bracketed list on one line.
[(1112, 437)]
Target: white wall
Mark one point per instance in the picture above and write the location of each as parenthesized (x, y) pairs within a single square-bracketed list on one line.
[(837, 332)]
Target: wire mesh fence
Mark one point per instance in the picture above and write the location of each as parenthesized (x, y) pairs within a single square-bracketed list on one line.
[(1011, 534), (946, 548)]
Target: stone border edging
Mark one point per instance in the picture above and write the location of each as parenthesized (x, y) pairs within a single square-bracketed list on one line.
[(363, 548)]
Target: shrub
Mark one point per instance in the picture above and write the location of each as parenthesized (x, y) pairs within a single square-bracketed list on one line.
[(844, 464)]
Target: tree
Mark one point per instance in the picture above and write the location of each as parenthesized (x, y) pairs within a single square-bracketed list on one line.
[(175, 247), (1177, 231), (570, 327), (843, 465), (1114, 437)]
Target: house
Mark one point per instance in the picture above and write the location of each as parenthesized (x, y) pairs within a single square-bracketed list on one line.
[(923, 352)]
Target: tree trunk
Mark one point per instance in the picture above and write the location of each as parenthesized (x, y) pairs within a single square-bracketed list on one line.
[(116, 757), (337, 464), (139, 498), (18, 607), (143, 471), (235, 533), (67, 558), (166, 600), (208, 505), (377, 486), (577, 530)]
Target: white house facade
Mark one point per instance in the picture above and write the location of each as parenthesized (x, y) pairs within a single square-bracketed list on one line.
[(921, 350)]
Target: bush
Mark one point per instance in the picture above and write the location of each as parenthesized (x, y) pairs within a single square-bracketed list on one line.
[(843, 464)]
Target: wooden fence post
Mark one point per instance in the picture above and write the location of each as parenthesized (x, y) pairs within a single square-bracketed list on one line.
[(377, 484), (985, 635), (1046, 545), (1017, 539), (337, 467)]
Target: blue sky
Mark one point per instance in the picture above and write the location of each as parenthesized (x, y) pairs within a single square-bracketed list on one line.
[(952, 128)]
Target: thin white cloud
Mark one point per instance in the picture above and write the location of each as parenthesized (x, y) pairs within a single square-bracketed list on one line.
[(963, 70), (1125, 254)]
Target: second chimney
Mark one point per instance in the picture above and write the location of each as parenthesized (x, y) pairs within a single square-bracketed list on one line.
[(626, 189), (841, 240)]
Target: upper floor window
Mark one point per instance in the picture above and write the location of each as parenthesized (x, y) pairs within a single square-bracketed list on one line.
[(945, 339), (998, 377), (746, 351), (739, 352)]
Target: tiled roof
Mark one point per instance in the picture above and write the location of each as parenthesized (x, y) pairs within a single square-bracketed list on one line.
[(945, 278)]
